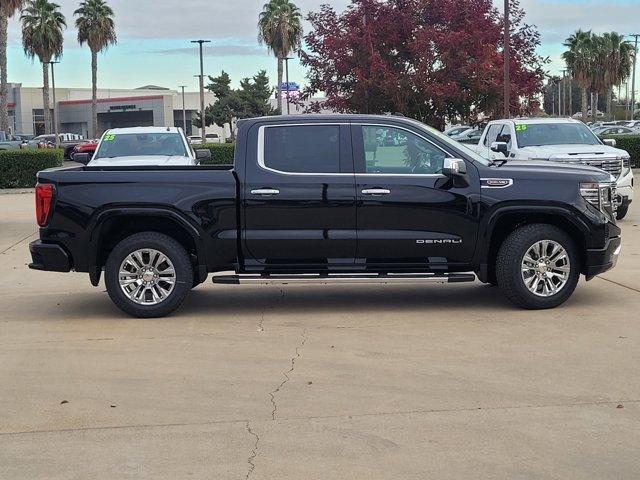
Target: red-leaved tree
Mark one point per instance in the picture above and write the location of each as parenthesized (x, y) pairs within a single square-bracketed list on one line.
[(426, 59)]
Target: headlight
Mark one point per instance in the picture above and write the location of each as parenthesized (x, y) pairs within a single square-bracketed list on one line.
[(597, 194), (626, 165)]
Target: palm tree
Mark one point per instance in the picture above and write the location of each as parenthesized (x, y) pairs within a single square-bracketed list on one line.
[(96, 28), (617, 60), (42, 26), (280, 28), (579, 59), (7, 9)]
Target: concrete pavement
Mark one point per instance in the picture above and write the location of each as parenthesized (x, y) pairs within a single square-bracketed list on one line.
[(323, 382)]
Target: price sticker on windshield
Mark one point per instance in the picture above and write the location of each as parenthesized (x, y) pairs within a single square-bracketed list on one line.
[(521, 127), (109, 138)]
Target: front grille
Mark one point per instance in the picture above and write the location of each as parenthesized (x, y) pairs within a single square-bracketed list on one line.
[(612, 166)]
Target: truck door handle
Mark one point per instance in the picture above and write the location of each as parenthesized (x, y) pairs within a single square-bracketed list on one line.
[(376, 191), (265, 192)]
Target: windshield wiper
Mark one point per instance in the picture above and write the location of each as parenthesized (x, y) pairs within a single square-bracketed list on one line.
[(501, 160)]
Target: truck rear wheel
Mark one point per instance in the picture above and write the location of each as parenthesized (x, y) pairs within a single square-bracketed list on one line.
[(538, 266), (148, 275)]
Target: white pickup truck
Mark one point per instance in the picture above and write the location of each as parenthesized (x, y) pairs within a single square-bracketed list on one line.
[(562, 140), (143, 146)]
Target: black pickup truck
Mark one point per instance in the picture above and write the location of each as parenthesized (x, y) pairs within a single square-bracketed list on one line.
[(329, 198)]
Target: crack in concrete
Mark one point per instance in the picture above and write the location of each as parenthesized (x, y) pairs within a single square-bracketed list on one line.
[(272, 395), (325, 417), (268, 307), (17, 243), (254, 452), (619, 284)]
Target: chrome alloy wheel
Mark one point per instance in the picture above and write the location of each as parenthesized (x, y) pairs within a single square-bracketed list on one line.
[(147, 276), (545, 268)]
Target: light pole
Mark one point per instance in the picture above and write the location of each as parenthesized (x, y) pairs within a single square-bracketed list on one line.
[(286, 63), (184, 111), (559, 97), (55, 105), (563, 110), (633, 75), (202, 112), (507, 78)]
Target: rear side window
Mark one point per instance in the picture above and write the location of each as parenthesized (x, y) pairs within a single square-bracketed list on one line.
[(303, 148)]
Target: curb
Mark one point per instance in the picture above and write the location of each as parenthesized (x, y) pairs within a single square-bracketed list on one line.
[(16, 191)]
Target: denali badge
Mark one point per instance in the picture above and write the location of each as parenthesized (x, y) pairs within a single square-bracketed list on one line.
[(441, 241), (496, 182)]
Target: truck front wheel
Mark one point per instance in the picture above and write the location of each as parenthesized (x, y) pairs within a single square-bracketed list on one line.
[(538, 266), (148, 275)]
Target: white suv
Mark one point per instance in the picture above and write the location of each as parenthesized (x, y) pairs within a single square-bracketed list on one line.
[(561, 140)]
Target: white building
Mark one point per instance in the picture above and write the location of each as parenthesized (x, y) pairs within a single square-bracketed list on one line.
[(145, 106)]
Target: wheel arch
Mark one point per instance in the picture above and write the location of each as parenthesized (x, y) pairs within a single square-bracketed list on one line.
[(112, 226), (504, 221)]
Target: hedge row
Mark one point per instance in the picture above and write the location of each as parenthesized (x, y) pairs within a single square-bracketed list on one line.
[(630, 143), (221, 153), (18, 168)]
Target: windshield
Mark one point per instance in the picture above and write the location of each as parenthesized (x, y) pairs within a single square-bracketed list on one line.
[(135, 145), (455, 145), (539, 134)]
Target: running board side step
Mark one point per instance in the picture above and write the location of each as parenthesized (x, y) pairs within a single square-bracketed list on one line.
[(399, 278)]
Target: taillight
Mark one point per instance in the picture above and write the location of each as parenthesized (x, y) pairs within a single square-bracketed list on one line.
[(44, 199)]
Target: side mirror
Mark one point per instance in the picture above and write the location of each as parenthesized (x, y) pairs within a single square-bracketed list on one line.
[(454, 167), (83, 158), (611, 142), (500, 147), (202, 154)]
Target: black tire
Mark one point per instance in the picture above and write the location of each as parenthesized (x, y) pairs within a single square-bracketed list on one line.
[(509, 266), (172, 250), (622, 212)]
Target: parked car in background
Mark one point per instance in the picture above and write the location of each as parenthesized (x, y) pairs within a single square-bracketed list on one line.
[(560, 140), (11, 142), (210, 137), (68, 141), (456, 130), (85, 147), (470, 136), (143, 146), (615, 130)]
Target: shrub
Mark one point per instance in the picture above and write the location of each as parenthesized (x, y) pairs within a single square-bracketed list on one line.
[(221, 153), (18, 168), (630, 143)]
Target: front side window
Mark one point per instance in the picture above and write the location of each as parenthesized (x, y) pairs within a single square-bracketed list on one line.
[(136, 145), (395, 151), (492, 134), (302, 148)]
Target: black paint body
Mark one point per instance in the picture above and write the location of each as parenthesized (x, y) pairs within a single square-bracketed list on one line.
[(320, 222)]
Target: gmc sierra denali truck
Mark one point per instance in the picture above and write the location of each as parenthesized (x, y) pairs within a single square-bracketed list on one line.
[(329, 198)]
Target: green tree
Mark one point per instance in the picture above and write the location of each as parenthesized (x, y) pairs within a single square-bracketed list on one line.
[(280, 28), (96, 28), (250, 100), (7, 9), (579, 60), (42, 27)]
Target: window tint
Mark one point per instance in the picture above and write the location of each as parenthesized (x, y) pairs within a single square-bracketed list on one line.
[(303, 149), (392, 150), (492, 134)]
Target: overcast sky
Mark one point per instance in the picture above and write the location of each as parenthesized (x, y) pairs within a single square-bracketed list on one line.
[(153, 46)]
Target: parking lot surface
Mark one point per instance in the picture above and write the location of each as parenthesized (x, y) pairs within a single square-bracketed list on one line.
[(316, 382)]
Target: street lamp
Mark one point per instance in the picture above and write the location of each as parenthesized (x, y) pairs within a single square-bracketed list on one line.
[(286, 62), (507, 78), (184, 111), (200, 43), (633, 75), (55, 105)]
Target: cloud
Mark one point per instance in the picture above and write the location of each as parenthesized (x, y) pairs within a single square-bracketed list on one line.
[(217, 51)]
